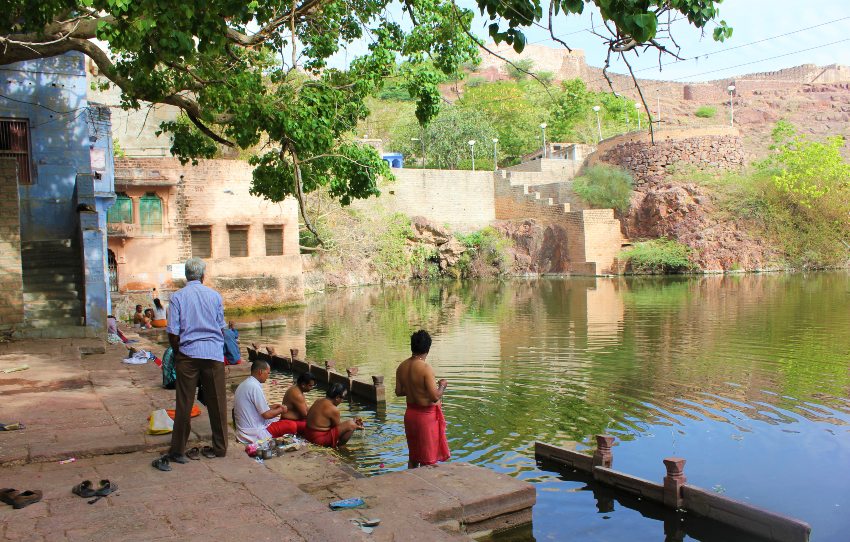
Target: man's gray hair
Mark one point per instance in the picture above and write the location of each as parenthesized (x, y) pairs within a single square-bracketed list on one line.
[(195, 268)]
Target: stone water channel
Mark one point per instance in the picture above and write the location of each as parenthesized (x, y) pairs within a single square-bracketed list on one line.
[(745, 376)]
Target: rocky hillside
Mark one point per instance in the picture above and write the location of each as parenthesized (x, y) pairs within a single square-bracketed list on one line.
[(687, 213)]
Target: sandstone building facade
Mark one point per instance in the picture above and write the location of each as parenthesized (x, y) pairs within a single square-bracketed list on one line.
[(166, 212)]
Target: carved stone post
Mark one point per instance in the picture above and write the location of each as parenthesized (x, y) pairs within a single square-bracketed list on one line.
[(378, 380), (352, 372), (294, 353), (603, 456), (330, 364), (674, 481)]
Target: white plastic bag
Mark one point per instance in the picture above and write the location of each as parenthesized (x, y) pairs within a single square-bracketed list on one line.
[(160, 423)]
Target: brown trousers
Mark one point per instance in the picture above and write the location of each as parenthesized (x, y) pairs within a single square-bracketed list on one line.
[(210, 374)]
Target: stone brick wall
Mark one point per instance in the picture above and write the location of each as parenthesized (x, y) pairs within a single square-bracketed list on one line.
[(517, 201), (593, 237), (704, 92), (11, 284), (463, 200), (650, 162)]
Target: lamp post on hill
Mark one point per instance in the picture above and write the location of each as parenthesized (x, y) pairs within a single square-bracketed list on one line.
[(637, 110), (543, 130), (658, 95), (596, 109), (495, 155), (471, 143), (731, 89), (423, 149)]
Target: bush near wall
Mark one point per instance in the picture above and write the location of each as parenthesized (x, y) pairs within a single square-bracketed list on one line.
[(605, 187), (658, 257), (706, 112)]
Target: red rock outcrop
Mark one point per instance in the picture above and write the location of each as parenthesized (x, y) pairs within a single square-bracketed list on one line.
[(687, 213)]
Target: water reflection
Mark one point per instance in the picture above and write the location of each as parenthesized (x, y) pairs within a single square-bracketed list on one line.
[(745, 376)]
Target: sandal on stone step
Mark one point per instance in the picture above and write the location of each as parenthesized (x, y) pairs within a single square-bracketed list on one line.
[(106, 488), (208, 452), (194, 454), (84, 489), (26, 498), (161, 464), (7, 495)]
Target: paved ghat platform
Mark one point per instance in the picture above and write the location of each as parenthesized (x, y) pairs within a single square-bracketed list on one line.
[(78, 400)]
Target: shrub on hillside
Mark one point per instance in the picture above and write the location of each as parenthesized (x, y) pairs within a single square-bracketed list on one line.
[(658, 257), (706, 112), (487, 253), (605, 187)]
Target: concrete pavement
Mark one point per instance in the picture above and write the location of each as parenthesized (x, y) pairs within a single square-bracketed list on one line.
[(78, 400)]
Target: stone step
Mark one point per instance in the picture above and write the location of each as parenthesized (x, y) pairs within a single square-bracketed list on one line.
[(57, 243), (54, 296), (47, 312), (41, 323), (55, 332), (51, 260), (49, 289), (51, 277), (39, 303)]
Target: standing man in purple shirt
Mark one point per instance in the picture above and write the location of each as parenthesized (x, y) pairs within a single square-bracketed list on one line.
[(196, 333)]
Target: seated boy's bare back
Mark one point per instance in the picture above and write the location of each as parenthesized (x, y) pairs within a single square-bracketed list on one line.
[(322, 415), (295, 401)]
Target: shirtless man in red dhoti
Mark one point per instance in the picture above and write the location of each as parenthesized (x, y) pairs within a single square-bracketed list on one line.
[(324, 426), (424, 424)]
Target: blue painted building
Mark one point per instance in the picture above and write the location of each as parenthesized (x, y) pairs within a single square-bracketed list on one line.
[(393, 159), (60, 146)]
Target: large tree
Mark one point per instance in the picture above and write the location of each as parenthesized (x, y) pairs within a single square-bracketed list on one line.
[(254, 74)]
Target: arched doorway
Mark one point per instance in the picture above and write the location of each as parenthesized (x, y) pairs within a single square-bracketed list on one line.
[(112, 265)]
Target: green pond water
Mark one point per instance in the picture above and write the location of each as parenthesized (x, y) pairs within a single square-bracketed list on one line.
[(747, 377)]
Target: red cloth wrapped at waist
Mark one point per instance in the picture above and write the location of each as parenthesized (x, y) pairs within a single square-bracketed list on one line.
[(425, 429), (322, 438), (286, 427)]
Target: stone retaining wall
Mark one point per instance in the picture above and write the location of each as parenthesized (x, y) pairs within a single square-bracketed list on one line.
[(650, 162)]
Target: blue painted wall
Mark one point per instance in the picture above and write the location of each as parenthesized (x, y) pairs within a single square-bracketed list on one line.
[(67, 137)]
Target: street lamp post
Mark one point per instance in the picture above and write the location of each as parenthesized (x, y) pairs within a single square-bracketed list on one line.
[(658, 95), (596, 109), (495, 156), (731, 89), (637, 110), (423, 149), (472, 151), (543, 130)]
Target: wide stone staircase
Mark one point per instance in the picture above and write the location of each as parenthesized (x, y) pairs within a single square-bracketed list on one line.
[(53, 284)]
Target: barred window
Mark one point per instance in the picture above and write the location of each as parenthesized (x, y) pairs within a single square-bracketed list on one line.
[(238, 241), (274, 240), (15, 143), (201, 242)]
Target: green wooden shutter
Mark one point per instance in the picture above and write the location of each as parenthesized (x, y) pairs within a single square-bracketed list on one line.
[(150, 213), (122, 211)]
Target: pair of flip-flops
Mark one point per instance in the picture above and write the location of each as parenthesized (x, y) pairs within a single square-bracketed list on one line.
[(86, 489), (163, 462), (19, 499)]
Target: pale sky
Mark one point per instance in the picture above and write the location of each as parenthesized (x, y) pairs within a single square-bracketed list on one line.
[(753, 21)]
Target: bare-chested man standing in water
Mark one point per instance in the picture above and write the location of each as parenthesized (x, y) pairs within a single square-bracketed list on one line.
[(424, 424)]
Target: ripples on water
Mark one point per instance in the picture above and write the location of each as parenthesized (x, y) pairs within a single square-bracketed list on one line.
[(746, 377)]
